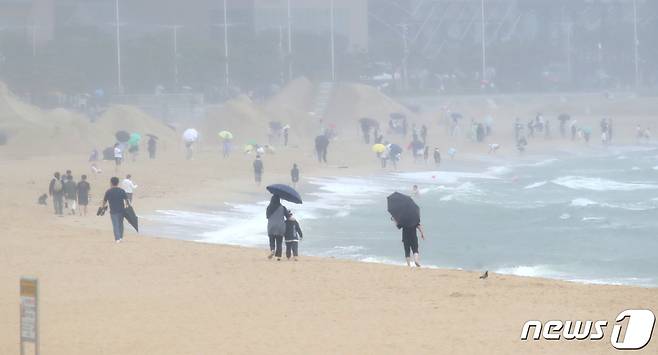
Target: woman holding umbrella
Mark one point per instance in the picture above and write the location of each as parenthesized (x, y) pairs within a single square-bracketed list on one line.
[(276, 226), (276, 214), (406, 215)]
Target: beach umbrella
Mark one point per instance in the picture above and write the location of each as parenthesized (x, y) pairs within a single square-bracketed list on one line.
[(395, 149), (122, 136), (285, 192), (130, 216), (403, 209), (134, 139), (456, 116), (225, 135), (276, 125), (397, 116), (369, 122), (379, 148), (190, 135)]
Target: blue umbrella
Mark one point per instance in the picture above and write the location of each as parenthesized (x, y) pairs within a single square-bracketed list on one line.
[(285, 192)]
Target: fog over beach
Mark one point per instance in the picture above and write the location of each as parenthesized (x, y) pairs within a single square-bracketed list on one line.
[(522, 136)]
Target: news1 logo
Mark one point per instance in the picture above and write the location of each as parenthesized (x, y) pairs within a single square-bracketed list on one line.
[(637, 332)]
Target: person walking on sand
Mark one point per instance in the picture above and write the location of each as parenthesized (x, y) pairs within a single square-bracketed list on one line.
[(276, 226), (56, 191), (83, 194), (437, 157), (118, 156), (410, 243), (258, 170), (152, 147), (70, 192), (294, 175), (226, 148), (129, 187), (117, 199), (293, 236)]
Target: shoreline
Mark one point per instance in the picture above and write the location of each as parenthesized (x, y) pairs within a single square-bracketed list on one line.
[(316, 186), (145, 295)]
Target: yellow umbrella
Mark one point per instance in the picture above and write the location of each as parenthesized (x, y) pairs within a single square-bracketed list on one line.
[(379, 148), (225, 135), (248, 148)]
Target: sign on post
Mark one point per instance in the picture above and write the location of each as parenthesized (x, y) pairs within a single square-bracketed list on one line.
[(29, 313)]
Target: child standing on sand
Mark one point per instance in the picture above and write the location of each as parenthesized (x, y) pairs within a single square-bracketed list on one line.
[(293, 235)]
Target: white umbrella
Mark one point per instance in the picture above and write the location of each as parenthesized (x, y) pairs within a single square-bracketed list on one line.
[(190, 135)]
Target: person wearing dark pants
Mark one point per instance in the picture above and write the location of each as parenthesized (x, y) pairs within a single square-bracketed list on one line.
[(276, 226), (410, 243), (258, 170), (293, 235), (56, 191), (117, 226), (117, 199), (276, 246)]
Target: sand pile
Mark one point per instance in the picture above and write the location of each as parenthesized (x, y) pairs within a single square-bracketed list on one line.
[(350, 102), (297, 96), (30, 131), (249, 121), (133, 120), (240, 116)]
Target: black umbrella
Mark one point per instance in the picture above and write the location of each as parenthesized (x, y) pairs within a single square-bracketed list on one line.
[(369, 121), (122, 136), (152, 136), (131, 217), (404, 210), (397, 116), (285, 192), (395, 149)]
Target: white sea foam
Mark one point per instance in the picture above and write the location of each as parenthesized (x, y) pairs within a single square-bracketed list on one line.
[(536, 185), (583, 202), (655, 167), (593, 219), (499, 170), (443, 177), (599, 184), (530, 271)]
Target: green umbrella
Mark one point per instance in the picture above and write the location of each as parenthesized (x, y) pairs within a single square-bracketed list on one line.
[(225, 135), (134, 139)]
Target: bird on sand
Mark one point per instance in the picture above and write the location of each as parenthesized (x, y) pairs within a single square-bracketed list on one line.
[(485, 275)]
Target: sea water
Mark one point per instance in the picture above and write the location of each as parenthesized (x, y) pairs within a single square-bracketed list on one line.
[(589, 218)]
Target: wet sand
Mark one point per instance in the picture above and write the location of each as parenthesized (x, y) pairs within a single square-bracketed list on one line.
[(161, 296)]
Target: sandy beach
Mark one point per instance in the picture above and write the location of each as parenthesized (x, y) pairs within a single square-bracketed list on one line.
[(161, 296)]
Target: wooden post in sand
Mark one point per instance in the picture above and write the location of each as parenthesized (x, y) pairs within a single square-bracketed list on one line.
[(29, 325)]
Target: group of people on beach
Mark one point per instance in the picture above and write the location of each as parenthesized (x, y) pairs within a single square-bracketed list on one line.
[(282, 225), (67, 194)]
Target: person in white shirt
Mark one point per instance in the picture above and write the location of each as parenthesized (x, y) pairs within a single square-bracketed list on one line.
[(129, 187), (118, 156)]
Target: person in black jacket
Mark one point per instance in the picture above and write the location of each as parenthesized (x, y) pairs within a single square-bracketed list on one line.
[(258, 169), (294, 175), (292, 236)]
